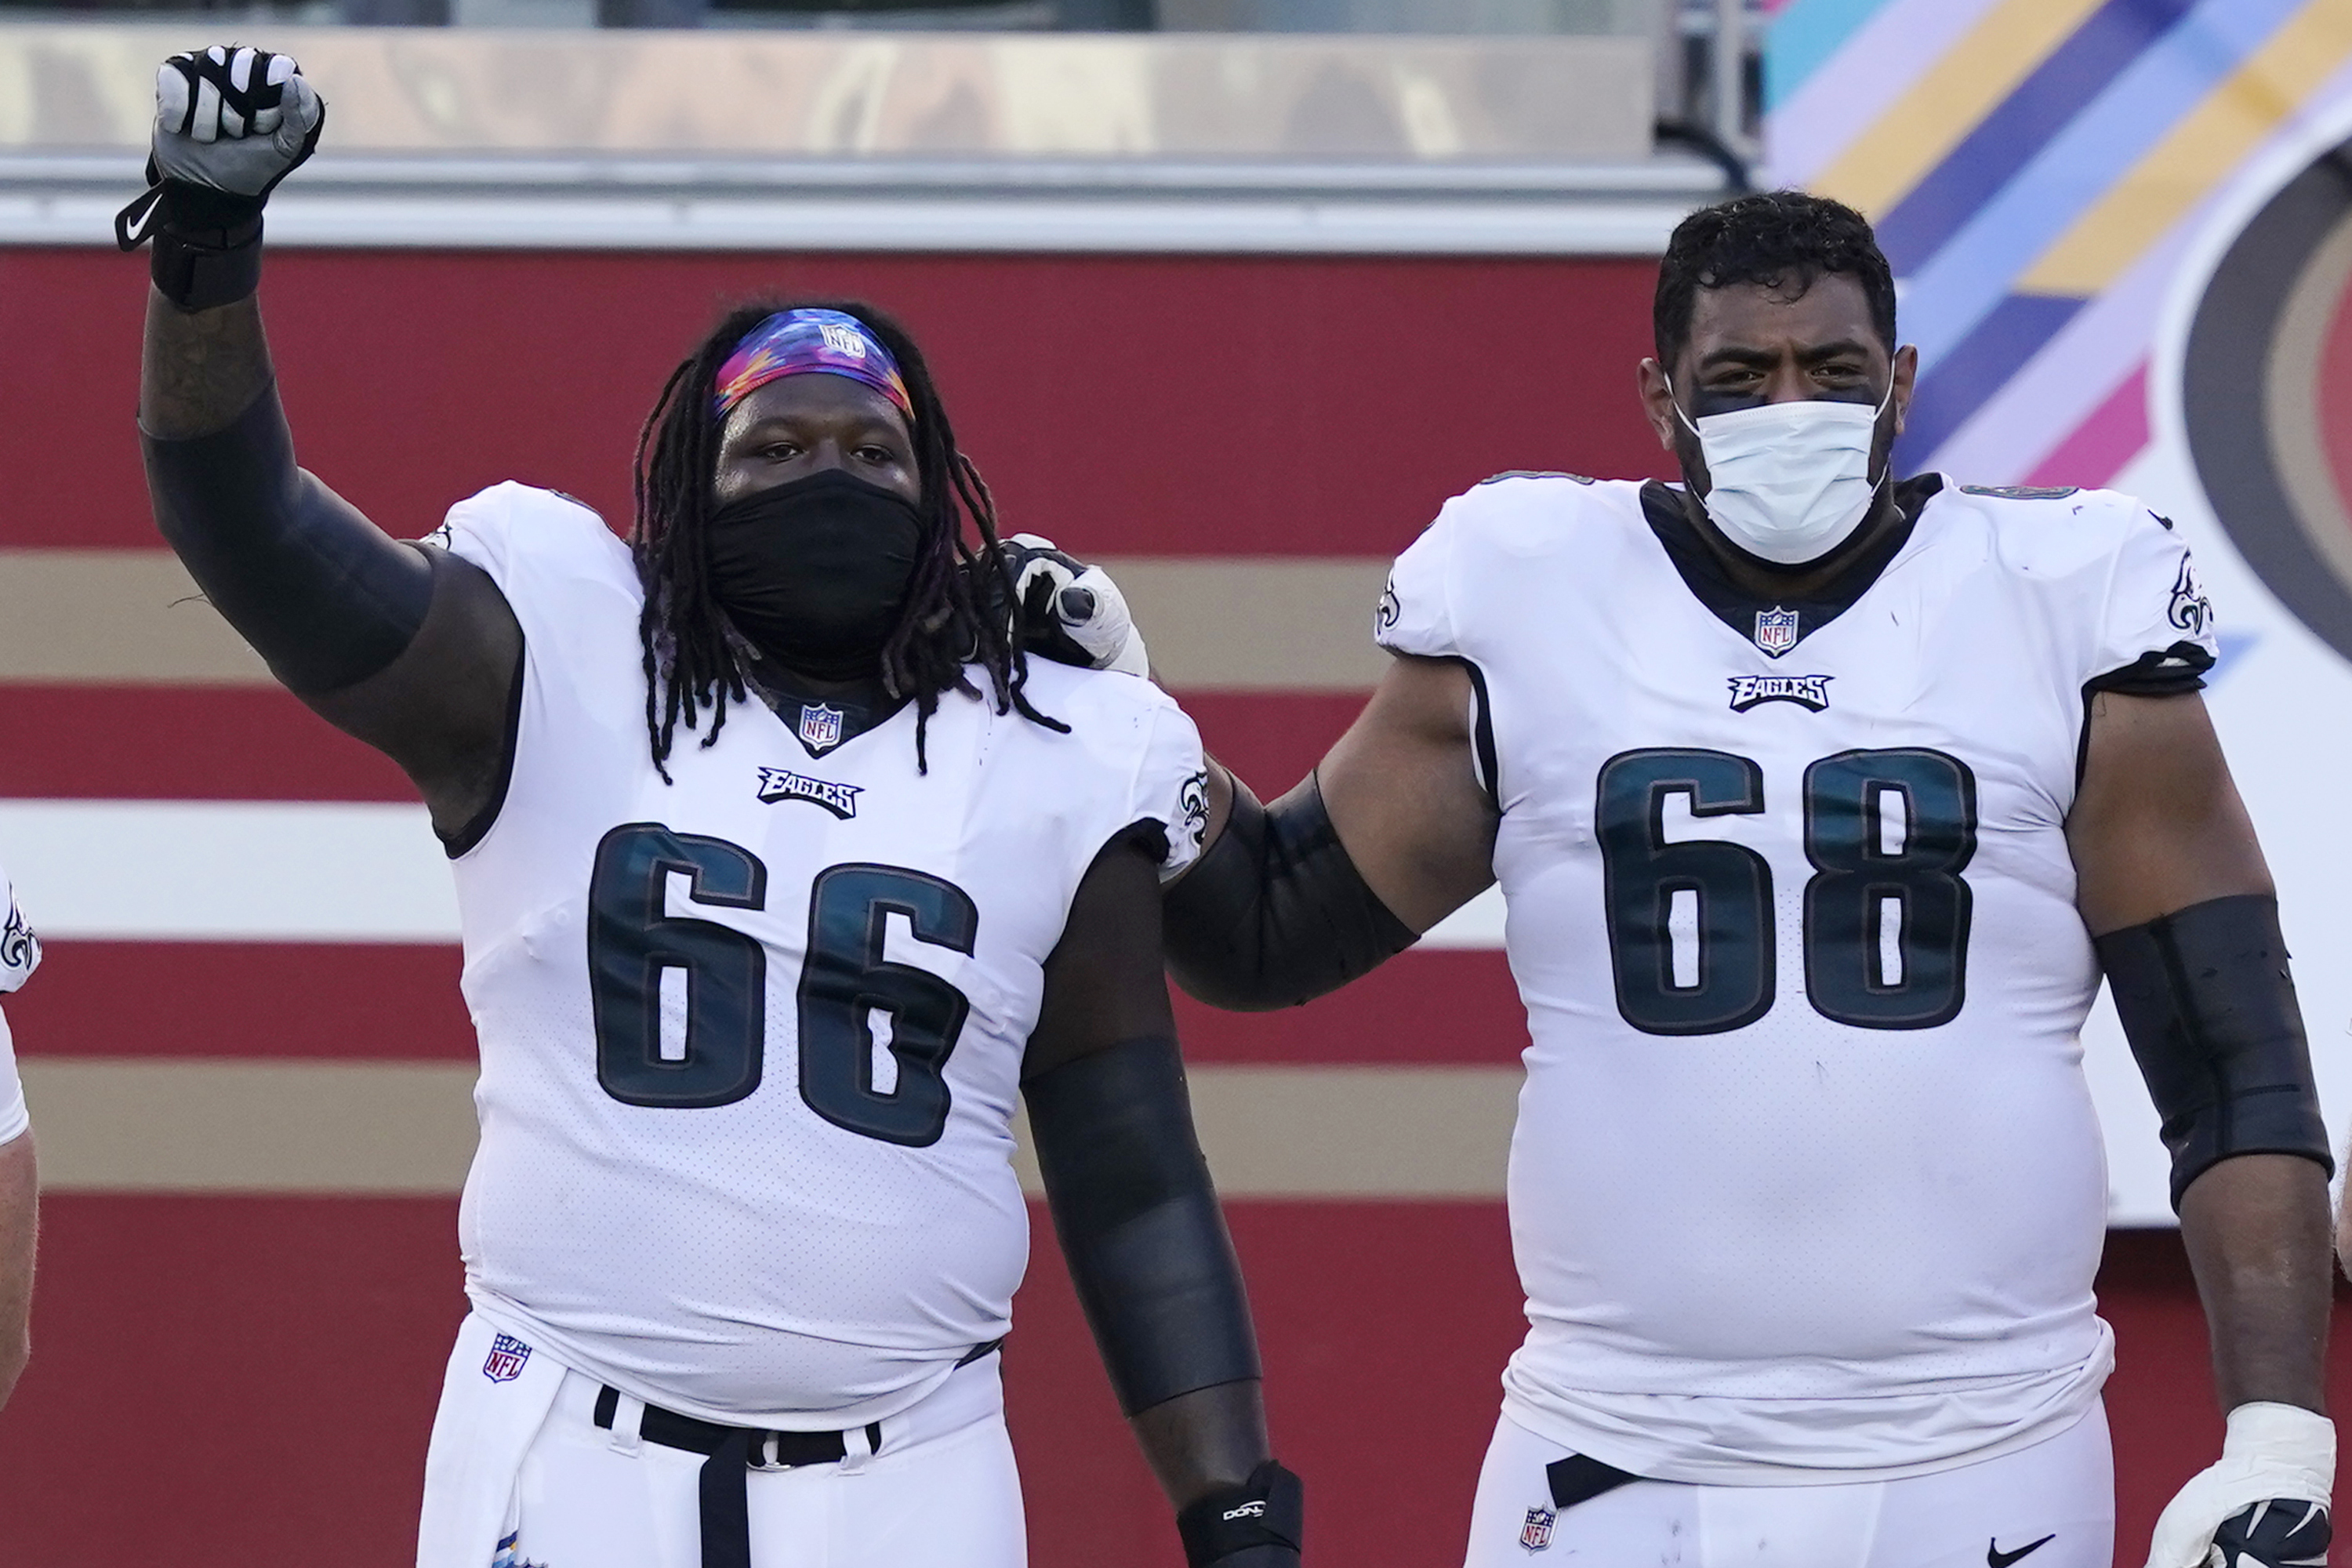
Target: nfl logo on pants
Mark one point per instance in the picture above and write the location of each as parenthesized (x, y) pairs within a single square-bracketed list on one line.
[(1536, 1533), (504, 1363)]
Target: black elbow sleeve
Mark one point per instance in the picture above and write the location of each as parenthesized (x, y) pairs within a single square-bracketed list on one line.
[(2209, 1008), (319, 591), (1275, 914), (1140, 1223)]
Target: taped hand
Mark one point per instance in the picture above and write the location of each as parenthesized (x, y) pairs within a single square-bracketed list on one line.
[(2264, 1504), (1070, 611)]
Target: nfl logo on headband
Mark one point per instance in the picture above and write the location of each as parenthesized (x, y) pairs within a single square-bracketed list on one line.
[(799, 342)]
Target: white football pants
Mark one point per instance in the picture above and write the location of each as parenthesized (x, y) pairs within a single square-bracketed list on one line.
[(1994, 1511), (520, 1476)]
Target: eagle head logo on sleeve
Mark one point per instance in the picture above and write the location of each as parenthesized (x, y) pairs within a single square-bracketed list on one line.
[(2190, 610), (1195, 804)]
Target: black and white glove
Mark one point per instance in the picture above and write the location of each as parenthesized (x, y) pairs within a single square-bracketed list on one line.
[(1257, 1524), (1070, 611), (230, 122), (2264, 1504)]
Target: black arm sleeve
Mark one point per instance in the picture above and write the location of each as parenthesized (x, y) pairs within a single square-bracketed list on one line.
[(1275, 914), (1140, 1223), (2209, 1008), (321, 594)]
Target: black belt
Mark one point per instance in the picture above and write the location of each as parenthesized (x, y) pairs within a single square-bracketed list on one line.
[(1578, 1479), (733, 1453)]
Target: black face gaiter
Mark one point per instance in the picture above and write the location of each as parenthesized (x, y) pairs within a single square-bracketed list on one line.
[(815, 572)]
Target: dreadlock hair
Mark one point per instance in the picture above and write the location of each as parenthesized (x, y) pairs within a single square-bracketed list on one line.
[(1783, 240), (949, 619)]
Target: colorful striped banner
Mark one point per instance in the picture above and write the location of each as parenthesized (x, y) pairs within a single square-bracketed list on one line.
[(2034, 168)]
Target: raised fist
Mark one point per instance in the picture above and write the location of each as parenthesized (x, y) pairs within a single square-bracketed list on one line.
[(1070, 611), (234, 119), (2263, 1505), (230, 122)]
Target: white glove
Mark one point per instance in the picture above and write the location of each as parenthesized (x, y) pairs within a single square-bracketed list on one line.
[(2264, 1504), (1071, 612), (234, 119)]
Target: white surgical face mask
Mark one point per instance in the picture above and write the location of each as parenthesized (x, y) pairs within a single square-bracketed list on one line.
[(1788, 482)]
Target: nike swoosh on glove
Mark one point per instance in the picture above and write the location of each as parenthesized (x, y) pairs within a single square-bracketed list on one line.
[(231, 122), (2264, 1504), (1070, 611)]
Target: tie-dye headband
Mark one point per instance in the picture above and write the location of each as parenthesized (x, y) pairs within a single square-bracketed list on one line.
[(793, 343)]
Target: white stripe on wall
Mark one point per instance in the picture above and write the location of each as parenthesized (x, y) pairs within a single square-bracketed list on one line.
[(144, 870), (151, 870)]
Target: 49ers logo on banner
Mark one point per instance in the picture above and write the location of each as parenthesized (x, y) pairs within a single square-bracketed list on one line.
[(2265, 392)]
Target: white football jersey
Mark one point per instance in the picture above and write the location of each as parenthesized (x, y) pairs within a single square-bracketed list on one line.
[(1807, 1184), (20, 954), (751, 1041)]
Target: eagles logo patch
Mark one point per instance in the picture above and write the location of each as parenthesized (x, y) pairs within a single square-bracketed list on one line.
[(1808, 691), (20, 950), (783, 784), (2190, 610), (1194, 801)]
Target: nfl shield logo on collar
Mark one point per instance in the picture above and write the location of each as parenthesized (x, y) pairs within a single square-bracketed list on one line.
[(1536, 1533), (820, 727), (1776, 630), (506, 1355)]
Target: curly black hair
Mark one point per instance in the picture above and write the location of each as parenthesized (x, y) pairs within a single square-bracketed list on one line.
[(1783, 240), (689, 661)]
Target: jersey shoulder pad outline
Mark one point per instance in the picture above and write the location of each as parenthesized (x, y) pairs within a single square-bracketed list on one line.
[(2021, 492), (512, 527), (1536, 474)]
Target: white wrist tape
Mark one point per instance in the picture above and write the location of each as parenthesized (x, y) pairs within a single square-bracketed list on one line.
[(2271, 1451)]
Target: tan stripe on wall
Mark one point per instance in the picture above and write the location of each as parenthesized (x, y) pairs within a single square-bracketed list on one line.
[(127, 616), (130, 1125), (1233, 624)]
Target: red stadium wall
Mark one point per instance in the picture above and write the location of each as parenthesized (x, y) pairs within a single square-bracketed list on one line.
[(248, 1381)]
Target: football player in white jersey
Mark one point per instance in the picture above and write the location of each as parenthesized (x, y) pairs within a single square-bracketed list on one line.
[(20, 954), (781, 874), (1819, 804)]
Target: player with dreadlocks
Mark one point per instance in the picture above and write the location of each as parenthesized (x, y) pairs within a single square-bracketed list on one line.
[(743, 1231), (691, 661)]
